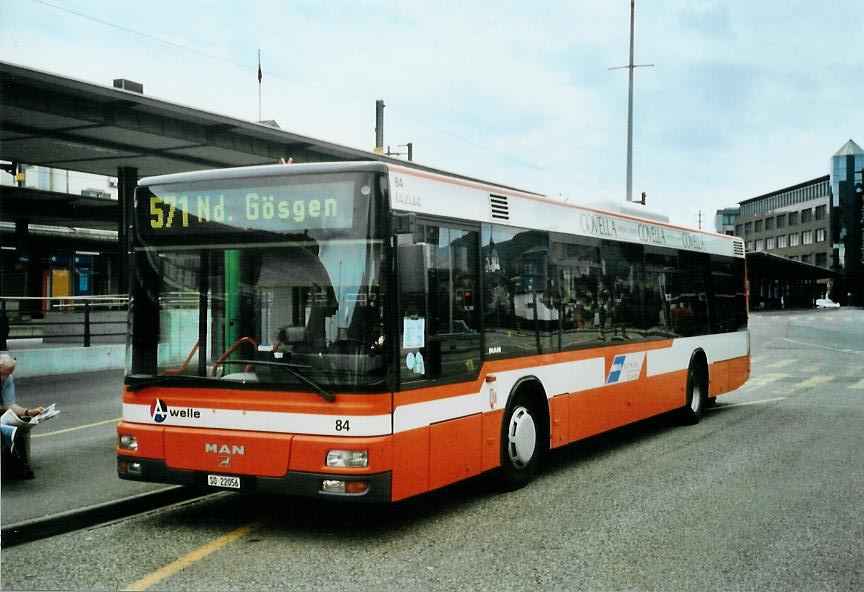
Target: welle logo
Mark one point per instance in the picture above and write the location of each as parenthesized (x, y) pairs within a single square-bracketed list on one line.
[(159, 411)]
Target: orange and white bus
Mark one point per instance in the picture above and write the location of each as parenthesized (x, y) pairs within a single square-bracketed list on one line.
[(372, 332)]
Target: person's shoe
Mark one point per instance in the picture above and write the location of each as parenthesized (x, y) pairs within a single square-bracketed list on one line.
[(14, 471)]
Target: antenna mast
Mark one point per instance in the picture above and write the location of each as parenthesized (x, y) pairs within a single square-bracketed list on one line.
[(630, 67)]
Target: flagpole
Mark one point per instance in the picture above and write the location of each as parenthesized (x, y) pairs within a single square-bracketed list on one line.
[(259, 85)]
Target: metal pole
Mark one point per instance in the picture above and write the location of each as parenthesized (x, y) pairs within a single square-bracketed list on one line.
[(259, 85), (86, 323), (630, 110), (379, 126), (631, 66)]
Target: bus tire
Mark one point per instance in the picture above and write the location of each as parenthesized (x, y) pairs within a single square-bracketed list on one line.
[(521, 442), (697, 393)]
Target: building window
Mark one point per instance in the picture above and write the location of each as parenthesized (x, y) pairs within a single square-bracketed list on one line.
[(808, 258), (781, 241), (793, 218), (822, 259), (793, 239), (758, 226), (793, 258), (748, 228), (807, 237), (820, 235), (769, 223), (820, 212), (806, 215), (738, 229), (749, 245), (759, 244), (769, 243), (781, 220)]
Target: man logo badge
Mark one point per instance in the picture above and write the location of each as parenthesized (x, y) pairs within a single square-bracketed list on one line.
[(224, 449), (224, 452)]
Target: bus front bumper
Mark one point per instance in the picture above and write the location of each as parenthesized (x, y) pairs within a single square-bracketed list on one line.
[(293, 483)]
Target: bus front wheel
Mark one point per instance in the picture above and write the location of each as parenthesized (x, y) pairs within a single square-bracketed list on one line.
[(520, 444)]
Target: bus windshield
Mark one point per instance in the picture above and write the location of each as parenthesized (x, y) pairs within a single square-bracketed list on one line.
[(274, 282)]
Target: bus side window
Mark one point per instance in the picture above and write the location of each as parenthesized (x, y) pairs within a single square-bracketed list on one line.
[(521, 310), (620, 294), (661, 278), (728, 298), (577, 272), (690, 310)]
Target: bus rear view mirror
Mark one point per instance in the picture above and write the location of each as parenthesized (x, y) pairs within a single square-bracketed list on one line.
[(413, 268)]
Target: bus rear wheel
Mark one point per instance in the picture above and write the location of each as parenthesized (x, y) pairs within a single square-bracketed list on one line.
[(697, 394), (520, 444)]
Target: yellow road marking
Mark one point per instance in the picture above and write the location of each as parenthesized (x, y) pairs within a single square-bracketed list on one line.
[(722, 407), (781, 363), (76, 428), (191, 557), (811, 382)]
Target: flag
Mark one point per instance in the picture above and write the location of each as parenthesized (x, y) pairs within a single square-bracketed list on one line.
[(260, 73)]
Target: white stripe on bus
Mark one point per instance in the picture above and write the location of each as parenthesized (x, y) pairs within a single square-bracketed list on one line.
[(557, 379)]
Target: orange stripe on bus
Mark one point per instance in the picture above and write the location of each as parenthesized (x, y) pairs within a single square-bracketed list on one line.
[(434, 393)]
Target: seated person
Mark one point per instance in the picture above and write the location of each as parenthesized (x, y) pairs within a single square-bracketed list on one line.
[(14, 462)]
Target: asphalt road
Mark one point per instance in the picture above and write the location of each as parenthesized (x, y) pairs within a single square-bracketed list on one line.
[(763, 494)]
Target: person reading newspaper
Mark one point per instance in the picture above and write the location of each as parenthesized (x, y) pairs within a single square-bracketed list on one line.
[(15, 463)]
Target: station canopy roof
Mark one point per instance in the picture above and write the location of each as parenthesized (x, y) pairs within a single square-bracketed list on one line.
[(59, 122), (768, 266), (63, 123)]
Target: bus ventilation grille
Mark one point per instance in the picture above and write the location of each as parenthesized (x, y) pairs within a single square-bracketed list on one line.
[(738, 247), (500, 207)]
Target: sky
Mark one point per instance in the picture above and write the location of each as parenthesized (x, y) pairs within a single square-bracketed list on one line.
[(743, 97)]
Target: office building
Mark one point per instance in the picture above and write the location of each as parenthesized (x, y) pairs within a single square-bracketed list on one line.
[(793, 222)]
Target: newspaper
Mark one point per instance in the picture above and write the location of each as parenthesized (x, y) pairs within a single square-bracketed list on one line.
[(10, 418)]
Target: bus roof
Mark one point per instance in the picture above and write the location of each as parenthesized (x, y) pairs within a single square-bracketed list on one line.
[(311, 167), (632, 211)]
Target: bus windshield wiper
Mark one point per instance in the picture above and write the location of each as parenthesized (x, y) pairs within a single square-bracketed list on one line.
[(136, 382), (293, 370)]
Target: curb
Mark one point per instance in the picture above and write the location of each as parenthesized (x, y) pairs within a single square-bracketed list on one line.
[(47, 526)]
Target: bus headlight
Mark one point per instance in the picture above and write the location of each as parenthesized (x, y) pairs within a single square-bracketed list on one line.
[(128, 442), (348, 459)]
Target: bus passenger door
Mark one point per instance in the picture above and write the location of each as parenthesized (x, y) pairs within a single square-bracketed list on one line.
[(440, 344), (441, 318)]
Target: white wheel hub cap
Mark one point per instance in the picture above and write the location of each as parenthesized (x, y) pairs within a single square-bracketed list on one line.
[(521, 437)]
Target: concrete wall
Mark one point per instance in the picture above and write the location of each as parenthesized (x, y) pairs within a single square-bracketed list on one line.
[(68, 359)]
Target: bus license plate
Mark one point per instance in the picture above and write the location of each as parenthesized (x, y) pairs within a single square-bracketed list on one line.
[(220, 481)]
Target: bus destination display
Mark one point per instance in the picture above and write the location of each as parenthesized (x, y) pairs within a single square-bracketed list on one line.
[(179, 211)]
